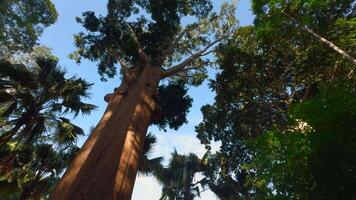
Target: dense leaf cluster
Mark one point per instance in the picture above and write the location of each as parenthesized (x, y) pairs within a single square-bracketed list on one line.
[(268, 71), (112, 35), (37, 142), (22, 22), (174, 104)]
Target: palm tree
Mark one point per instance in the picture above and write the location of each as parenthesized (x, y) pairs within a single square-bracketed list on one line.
[(36, 141), (177, 178), (33, 100), (149, 165), (33, 170), (220, 179)]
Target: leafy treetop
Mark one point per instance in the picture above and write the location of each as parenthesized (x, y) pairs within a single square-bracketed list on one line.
[(22, 22), (137, 32)]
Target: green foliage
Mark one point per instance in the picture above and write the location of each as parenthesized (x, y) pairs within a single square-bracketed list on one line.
[(177, 178), (29, 171), (330, 19), (284, 105), (36, 141), (174, 105), (149, 165), (332, 115), (317, 162), (282, 166), (38, 97), (160, 33), (111, 35), (22, 22)]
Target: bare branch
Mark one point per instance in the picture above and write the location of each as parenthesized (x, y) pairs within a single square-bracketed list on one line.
[(322, 39), (186, 48), (183, 76), (208, 52), (180, 67), (141, 52), (123, 64), (124, 67), (175, 42)]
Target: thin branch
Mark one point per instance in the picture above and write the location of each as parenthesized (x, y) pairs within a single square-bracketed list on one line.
[(205, 189), (141, 52), (208, 52), (350, 74), (123, 64), (180, 67), (186, 48), (183, 76), (187, 69), (124, 67), (175, 42), (322, 39)]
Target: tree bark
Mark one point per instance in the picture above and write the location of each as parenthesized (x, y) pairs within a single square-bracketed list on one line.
[(106, 166)]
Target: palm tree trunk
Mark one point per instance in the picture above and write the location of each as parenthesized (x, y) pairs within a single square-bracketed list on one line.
[(106, 166), (323, 40)]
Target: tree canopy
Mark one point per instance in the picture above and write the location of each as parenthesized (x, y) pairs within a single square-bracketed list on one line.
[(284, 109), (37, 140), (160, 34), (22, 22), (281, 86), (136, 33)]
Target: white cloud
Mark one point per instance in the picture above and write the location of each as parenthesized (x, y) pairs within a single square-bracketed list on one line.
[(146, 188)]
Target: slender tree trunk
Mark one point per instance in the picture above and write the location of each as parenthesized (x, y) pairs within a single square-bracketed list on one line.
[(323, 40), (106, 166), (331, 45)]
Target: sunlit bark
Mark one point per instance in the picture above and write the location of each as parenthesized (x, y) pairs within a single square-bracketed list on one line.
[(106, 166)]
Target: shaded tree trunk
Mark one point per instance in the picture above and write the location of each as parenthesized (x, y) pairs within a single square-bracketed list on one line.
[(106, 166)]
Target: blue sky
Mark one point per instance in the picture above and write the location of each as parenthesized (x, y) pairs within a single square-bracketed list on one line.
[(59, 37)]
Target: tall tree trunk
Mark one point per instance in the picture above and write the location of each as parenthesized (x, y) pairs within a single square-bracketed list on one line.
[(323, 40), (106, 166)]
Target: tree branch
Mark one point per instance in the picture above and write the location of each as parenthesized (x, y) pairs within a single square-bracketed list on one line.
[(142, 55), (204, 189), (124, 67), (180, 67), (175, 42), (322, 39), (208, 52)]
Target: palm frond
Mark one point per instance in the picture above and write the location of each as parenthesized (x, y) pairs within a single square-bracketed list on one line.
[(148, 166), (18, 73), (78, 107), (47, 67), (149, 142), (37, 130), (67, 133)]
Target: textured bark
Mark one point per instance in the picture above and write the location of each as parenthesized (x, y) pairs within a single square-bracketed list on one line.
[(106, 166)]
